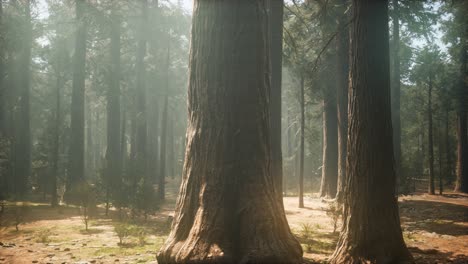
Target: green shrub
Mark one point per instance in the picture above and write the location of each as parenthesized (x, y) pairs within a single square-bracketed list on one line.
[(123, 231)]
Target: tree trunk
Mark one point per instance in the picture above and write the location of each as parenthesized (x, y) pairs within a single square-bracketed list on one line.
[(163, 145), (301, 147), (141, 125), (276, 50), (342, 85), (113, 153), (77, 139), (439, 140), (3, 109), (430, 138), (328, 184), (227, 210), (448, 150), (396, 120), (23, 130), (56, 146), (462, 115), (371, 231)]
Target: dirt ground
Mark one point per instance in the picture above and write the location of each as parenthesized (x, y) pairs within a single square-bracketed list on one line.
[(435, 229)]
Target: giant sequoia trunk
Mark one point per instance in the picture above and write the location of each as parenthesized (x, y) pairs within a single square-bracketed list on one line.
[(22, 164), (371, 231), (431, 139), (113, 154), (462, 113), (76, 150), (227, 210), (328, 184), (396, 120), (276, 51), (342, 84)]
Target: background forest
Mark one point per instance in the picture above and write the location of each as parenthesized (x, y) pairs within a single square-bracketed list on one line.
[(93, 98)]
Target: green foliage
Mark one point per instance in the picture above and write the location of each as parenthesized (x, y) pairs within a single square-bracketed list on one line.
[(85, 195), (43, 235), (146, 201), (123, 231)]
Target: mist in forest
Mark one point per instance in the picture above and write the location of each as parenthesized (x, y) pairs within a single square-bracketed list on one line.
[(263, 131)]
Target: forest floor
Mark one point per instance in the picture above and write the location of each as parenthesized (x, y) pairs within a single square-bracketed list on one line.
[(435, 229)]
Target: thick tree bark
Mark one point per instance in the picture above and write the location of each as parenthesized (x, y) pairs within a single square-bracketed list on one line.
[(113, 153), (77, 127), (431, 189), (276, 50), (227, 210), (342, 85), (23, 128), (371, 230), (462, 113), (328, 184), (301, 146), (396, 120)]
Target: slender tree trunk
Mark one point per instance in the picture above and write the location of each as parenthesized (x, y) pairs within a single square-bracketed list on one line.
[(371, 231), (439, 140), (227, 210), (56, 146), (342, 85), (448, 150), (171, 155), (276, 50), (328, 184), (430, 137), (162, 153), (396, 120), (141, 126), (23, 131), (301, 147), (3, 109), (77, 138), (113, 153)]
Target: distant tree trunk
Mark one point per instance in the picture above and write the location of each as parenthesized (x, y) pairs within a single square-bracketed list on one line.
[(328, 184), (301, 147), (3, 109), (23, 129), (171, 155), (123, 142), (342, 85), (163, 145), (288, 134), (439, 140), (141, 125), (396, 120), (462, 114), (227, 210), (448, 149), (77, 139), (371, 231), (56, 146), (276, 50), (113, 153), (430, 138)]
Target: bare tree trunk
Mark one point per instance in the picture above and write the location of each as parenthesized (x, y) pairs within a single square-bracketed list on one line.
[(439, 140), (162, 153), (141, 121), (396, 120), (371, 232), (301, 147), (342, 97), (113, 153), (430, 137), (23, 131), (227, 210), (328, 184), (276, 50), (77, 127), (448, 150)]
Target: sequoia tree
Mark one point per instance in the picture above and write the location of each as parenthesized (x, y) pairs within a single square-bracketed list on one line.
[(227, 210), (371, 231), (276, 49), (76, 150)]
